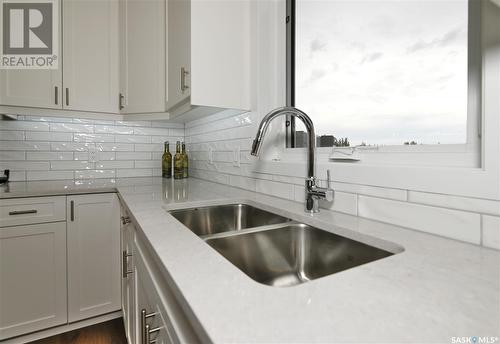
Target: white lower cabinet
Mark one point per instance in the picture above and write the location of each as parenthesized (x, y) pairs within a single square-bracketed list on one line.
[(59, 261), (32, 278), (128, 282), (150, 302), (93, 255)]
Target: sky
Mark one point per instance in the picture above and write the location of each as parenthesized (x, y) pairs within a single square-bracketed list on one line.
[(383, 72)]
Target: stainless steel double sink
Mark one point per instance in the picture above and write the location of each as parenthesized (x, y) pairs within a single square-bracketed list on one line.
[(272, 249)]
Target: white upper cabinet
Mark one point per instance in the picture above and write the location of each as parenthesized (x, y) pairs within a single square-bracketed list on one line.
[(142, 56), (209, 57), (163, 58), (220, 53), (179, 56), (90, 55), (32, 88)]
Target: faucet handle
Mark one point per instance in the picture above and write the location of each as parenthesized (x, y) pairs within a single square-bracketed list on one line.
[(329, 191)]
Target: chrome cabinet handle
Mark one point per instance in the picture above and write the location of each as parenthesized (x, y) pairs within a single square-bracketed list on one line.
[(72, 210), (184, 73), (147, 334), (120, 101), (145, 315), (21, 212), (125, 270), (67, 96), (56, 95), (126, 219)]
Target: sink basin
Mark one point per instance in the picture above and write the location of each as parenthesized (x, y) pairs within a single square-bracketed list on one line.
[(224, 218), (293, 254)]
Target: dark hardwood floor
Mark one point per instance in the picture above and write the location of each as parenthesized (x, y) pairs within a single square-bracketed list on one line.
[(110, 332)]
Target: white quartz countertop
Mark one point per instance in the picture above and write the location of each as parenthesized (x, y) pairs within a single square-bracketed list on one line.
[(434, 289)]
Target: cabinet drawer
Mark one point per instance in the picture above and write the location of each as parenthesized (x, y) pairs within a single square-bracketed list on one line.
[(24, 211)]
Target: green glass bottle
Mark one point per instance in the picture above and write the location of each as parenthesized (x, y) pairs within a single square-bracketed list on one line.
[(166, 162), (178, 172), (185, 161)]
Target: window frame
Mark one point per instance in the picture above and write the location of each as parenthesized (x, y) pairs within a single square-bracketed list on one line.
[(420, 154)]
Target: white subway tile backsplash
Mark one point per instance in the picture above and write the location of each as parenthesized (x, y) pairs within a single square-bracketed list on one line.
[(456, 202), (162, 139), (71, 165), (25, 165), (151, 131), (132, 139), (176, 133), (243, 182), (48, 119), (85, 137), (12, 155), (133, 123), (8, 135), (491, 231), (446, 215), (147, 164), (72, 127), (71, 146), (24, 146), (115, 147), (22, 125), (105, 156), (450, 223), (275, 189), (148, 147), (49, 175), (59, 147), (48, 136), (133, 156), (17, 176), (90, 174), (395, 194), (111, 164), (134, 172), (111, 129), (49, 156)]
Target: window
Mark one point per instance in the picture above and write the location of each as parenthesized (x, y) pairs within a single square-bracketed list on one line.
[(384, 73)]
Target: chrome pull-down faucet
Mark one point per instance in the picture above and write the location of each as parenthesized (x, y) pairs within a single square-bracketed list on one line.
[(313, 192)]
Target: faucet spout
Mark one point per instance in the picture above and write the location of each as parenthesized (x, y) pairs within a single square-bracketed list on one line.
[(313, 192), (283, 111)]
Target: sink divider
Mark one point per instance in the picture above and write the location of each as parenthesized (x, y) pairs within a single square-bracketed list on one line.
[(248, 230)]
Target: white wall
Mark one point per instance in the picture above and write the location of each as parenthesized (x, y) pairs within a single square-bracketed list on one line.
[(472, 220), (50, 148)]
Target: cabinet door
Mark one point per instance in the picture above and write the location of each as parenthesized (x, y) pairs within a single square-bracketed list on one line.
[(32, 88), (142, 58), (128, 281), (90, 52), (220, 53), (178, 60), (147, 299), (93, 255), (33, 278)]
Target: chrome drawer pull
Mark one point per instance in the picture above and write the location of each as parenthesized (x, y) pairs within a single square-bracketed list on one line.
[(126, 219), (145, 315), (147, 331), (21, 212)]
